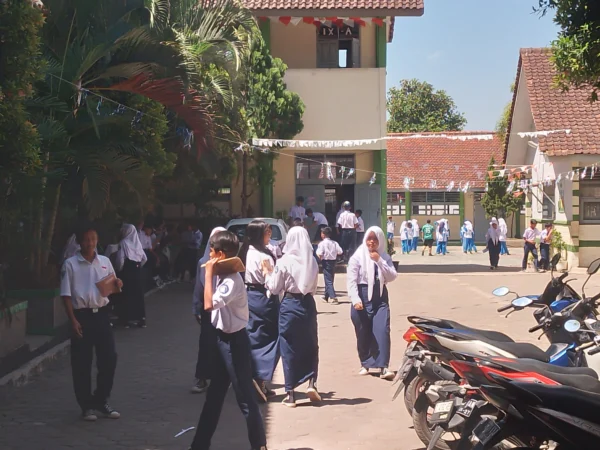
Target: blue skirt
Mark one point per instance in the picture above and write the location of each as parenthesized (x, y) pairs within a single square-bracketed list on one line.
[(298, 339), (263, 331)]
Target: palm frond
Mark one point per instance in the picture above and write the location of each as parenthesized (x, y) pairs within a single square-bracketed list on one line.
[(160, 11)]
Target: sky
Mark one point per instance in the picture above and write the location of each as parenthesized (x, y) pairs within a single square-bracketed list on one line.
[(470, 49)]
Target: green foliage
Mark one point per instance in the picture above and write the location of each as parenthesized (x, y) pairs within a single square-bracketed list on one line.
[(578, 45), (496, 201), (504, 122), (416, 107), (557, 242)]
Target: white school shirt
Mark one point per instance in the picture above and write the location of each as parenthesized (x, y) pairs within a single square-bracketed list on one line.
[(274, 248), (254, 259), (467, 233), (145, 240), (230, 304), (356, 274), (297, 212), (281, 281), (543, 236), (531, 234), (328, 250), (361, 226), (320, 219), (347, 220), (391, 226), (407, 233), (79, 278)]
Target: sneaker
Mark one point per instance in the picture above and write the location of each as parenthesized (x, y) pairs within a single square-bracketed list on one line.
[(199, 387), (107, 411), (325, 299), (89, 415), (261, 394), (289, 401), (387, 374), (334, 301), (362, 372), (313, 394)]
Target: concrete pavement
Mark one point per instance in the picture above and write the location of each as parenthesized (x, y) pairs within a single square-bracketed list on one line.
[(156, 367)]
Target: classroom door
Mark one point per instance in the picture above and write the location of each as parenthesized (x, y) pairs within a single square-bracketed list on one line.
[(480, 222), (314, 196), (368, 199)]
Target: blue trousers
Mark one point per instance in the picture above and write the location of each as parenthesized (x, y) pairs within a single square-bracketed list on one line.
[(348, 240), (441, 248), (372, 327), (232, 367), (530, 248), (263, 331), (415, 244), (545, 256), (329, 275), (469, 245), (503, 248), (406, 246)]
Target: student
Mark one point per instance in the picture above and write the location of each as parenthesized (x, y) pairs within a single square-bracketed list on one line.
[(427, 232), (391, 228), (545, 240), (466, 233), (274, 246), (226, 298), (297, 211), (370, 269), (347, 223), (319, 221), (442, 237), (148, 241), (406, 236), (415, 234), (208, 336), (503, 233), (88, 313), (263, 325), (328, 252), (492, 238), (296, 275), (529, 237), (403, 242), (360, 230), (129, 262)]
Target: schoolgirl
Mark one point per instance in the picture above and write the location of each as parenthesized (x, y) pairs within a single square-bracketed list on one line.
[(503, 233), (442, 237), (369, 270), (263, 325), (492, 238), (130, 259)]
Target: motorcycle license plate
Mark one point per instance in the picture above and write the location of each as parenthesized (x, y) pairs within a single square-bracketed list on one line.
[(466, 409), (486, 430), (442, 412)]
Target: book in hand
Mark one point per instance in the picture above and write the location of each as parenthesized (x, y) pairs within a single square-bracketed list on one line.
[(228, 266), (108, 285)]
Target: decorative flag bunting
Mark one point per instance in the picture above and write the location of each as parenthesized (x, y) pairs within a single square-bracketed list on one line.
[(450, 186), (372, 180), (350, 172), (433, 184), (407, 182)]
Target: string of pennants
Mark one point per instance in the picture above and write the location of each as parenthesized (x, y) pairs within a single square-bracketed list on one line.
[(328, 21)]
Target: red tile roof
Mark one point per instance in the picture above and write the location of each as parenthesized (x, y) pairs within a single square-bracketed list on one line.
[(440, 159), (415, 6), (553, 109)]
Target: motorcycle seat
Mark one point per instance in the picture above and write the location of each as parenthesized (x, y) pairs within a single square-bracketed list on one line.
[(548, 370), (522, 350), (452, 325)]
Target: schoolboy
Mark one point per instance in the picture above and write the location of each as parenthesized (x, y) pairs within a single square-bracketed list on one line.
[(228, 303), (328, 252)]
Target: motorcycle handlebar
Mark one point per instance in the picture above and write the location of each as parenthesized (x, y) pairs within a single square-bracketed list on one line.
[(537, 327), (563, 276), (504, 308), (594, 351)]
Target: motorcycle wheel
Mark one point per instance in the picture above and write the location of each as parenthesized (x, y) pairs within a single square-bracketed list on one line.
[(411, 392)]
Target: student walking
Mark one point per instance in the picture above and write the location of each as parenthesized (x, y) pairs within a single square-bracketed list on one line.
[(415, 235), (347, 223), (492, 238), (227, 300), (403, 236), (467, 234), (319, 221), (529, 236), (545, 240), (88, 312), (263, 324), (129, 262), (427, 232), (442, 237), (503, 233), (208, 335), (296, 275), (360, 230), (328, 252), (370, 269)]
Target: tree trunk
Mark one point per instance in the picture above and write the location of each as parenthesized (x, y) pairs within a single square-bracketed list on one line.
[(51, 225), (244, 184)]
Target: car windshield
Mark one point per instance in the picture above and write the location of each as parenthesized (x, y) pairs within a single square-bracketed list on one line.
[(240, 231)]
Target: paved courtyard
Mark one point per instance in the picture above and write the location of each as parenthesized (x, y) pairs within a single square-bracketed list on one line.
[(156, 367)]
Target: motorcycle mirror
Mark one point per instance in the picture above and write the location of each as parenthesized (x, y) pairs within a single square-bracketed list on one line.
[(521, 302), (593, 267), (572, 326), (501, 291), (554, 261)]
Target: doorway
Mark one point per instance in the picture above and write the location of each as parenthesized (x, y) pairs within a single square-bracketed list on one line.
[(335, 196)]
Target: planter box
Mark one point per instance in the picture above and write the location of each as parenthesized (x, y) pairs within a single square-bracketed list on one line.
[(12, 333), (45, 313)]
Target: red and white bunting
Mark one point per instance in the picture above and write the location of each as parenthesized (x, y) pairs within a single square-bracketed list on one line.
[(328, 21)]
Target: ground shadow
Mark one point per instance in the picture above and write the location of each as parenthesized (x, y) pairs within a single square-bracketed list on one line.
[(453, 268)]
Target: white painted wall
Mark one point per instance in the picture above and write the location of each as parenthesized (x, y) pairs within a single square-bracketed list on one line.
[(341, 103), (518, 151)]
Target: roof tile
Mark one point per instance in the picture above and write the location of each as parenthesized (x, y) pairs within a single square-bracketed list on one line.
[(440, 159), (333, 4)]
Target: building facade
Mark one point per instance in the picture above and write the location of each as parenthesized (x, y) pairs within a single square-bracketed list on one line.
[(336, 53)]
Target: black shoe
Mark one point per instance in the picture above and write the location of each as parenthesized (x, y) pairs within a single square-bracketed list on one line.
[(107, 411), (199, 386)]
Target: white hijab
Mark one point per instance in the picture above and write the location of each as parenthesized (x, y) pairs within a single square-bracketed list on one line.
[(71, 248), (201, 272), (469, 226), (494, 233), (365, 261), (402, 227), (415, 224), (502, 226), (299, 260), (130, 243)]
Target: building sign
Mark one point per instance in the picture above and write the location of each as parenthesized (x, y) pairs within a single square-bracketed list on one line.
[(335, 32)]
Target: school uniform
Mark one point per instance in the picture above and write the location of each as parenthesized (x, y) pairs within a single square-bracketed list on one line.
[(544, 250), (415, 235), (329, 250), (360, 231), (232, 364), (406, 237), (503, 233), (78, 281), (442, 235), (297, 212), (347, 222), (367, 281), (467, 233), (274, 248), (296, 275), (263, 325), (492, 238), (130, 259), (530, 235), (321, 221)]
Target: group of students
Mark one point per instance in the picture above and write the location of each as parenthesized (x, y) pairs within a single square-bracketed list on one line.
[(410, 231), (251, 320)]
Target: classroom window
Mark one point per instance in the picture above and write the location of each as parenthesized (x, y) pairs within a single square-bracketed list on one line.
[(589, 201), (396, 204), (435, 203), (548, 205), (313, 167), (223, 194), (338, 47)]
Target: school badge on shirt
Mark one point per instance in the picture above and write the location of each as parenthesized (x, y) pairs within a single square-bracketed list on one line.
[(224, 288)]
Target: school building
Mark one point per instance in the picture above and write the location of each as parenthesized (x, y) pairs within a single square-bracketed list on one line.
[(565, 189), (336, 52), (428, 178)]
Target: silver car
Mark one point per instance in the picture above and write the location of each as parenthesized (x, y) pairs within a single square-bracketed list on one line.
[(279, 227)]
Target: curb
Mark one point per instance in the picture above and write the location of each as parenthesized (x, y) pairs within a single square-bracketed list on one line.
[(20, 377)]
